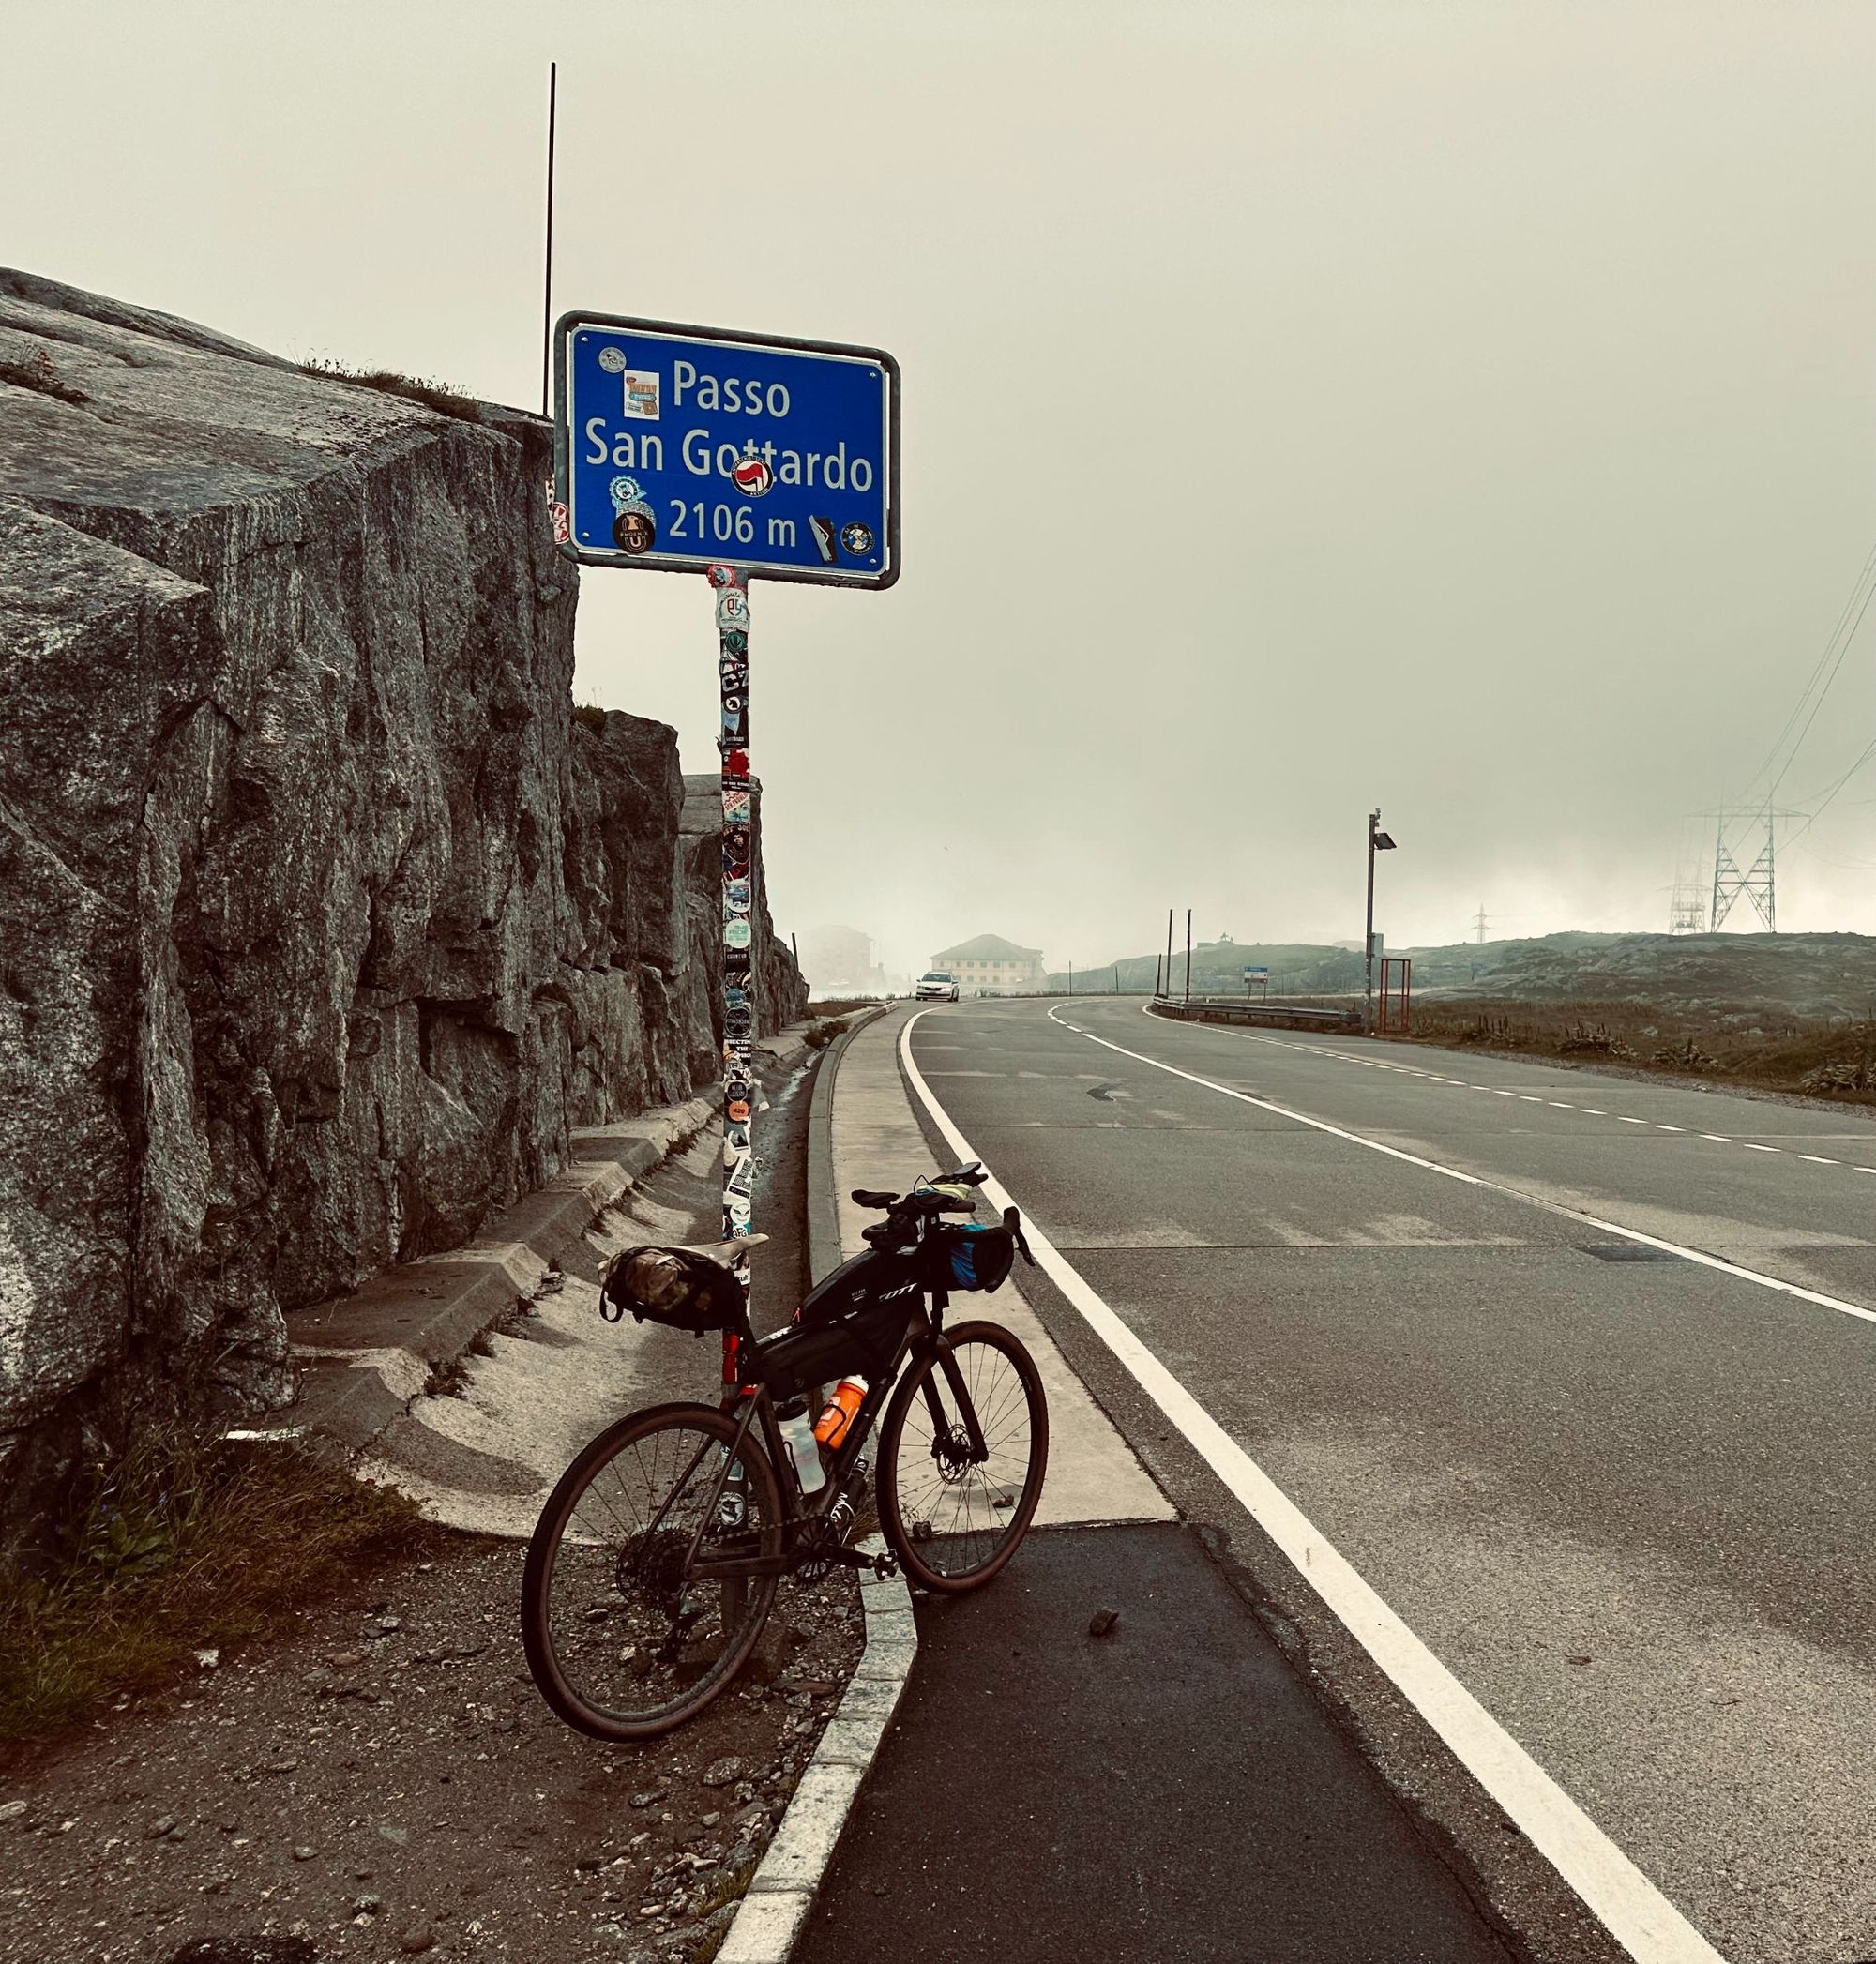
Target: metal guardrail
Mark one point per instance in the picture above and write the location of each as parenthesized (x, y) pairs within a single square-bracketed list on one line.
[(1235, 1009)]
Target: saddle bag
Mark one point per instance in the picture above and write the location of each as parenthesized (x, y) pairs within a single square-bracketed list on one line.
[(675, 1287)]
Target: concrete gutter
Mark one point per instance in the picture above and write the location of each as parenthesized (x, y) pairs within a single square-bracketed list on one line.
[(824, 1216), (775, 1910), (364, 1357)]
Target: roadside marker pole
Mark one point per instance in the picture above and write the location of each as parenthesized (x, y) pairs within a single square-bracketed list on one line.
[(739, 859)]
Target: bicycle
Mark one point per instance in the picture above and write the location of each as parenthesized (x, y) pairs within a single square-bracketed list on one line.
[(655, 1563)]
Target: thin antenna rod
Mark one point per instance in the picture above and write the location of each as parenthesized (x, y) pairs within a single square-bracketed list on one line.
[(547, 293)]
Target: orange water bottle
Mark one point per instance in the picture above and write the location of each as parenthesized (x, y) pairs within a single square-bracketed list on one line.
[(837, 1413)]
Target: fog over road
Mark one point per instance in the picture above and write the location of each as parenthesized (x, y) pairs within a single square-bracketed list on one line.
[(1624, 1494)]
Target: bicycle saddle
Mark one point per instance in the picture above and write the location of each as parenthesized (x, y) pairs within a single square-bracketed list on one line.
[(723, 1252)]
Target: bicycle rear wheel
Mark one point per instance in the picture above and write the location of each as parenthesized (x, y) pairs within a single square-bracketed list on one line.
[(622, 1642), (953, 1521)]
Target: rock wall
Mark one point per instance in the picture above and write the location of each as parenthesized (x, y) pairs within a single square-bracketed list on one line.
[(321, 917)]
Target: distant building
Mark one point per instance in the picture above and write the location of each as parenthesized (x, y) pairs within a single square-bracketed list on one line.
[(990, 962), (839, 963)]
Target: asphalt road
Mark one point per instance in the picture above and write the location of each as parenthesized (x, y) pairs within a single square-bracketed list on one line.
[(1625, 1496), (1167, 1791)]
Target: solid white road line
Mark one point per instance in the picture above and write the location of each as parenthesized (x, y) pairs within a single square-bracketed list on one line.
[(1754, 1276), (1629, 1905)]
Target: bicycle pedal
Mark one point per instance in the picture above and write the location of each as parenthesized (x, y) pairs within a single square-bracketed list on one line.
[(885, 1566)]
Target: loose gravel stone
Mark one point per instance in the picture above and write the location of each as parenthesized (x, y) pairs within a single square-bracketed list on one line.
[(509, 1842)]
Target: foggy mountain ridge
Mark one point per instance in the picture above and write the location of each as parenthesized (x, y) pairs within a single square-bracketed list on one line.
[(1796, 975)]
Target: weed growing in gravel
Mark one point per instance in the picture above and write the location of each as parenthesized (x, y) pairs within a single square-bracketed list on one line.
[(188, 1544)]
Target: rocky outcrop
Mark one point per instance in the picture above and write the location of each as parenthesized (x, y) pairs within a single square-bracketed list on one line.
[(321, 919)]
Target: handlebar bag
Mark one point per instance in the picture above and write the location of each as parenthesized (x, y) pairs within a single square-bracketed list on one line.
[(976, 1257), (675, 1287)]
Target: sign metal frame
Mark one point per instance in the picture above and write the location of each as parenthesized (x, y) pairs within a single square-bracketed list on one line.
[(728, 338)]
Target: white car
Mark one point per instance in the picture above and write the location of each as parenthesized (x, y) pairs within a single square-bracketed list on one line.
[(937, 986)]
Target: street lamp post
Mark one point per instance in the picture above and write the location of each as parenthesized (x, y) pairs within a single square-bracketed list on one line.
[(1378, 841)]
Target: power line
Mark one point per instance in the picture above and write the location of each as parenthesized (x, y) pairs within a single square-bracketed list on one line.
[(1818, 811), (1865, 586), (1843, 649)]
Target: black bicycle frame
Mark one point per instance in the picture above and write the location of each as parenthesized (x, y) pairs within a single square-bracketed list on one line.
[(923, 1342)]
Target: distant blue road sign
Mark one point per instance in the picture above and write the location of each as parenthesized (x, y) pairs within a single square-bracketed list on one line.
[(678, 448), (1252, 974)]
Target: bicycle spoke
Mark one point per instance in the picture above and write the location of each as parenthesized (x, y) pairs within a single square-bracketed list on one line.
[(628, 1640), (962, 1512)]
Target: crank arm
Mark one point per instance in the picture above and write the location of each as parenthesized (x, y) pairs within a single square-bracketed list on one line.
[(884, 1566)]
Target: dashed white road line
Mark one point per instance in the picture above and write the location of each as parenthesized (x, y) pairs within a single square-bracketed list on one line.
[(1319, 1049), (1717, 1264), (1615, 1891)]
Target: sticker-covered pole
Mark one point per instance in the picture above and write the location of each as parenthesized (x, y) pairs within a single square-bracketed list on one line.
[(739, 979)]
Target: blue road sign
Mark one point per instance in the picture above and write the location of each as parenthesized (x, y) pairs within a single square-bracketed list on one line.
[(678, 448)]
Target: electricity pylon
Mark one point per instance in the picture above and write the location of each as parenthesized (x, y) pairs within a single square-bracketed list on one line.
[(1756, 880), (1687, 911)]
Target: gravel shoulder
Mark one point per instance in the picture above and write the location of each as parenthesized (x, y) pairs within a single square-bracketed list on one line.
[(385, 1783), (388, 1785)]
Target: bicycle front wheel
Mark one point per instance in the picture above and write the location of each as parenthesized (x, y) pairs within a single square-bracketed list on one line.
[(622, 1640), (954, 1520)]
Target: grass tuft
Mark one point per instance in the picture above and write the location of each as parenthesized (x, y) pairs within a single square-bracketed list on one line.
[(186, 1543), (438, 396), (42, 377), (590, 715)]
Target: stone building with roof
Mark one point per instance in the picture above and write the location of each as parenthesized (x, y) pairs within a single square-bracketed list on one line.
[(989, 963)]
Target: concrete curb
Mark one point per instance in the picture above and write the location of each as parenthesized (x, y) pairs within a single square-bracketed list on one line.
[(783, 1891), (823, 1215), (365, 1356)]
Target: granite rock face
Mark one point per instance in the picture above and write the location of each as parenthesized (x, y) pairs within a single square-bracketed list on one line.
[(322, 918)]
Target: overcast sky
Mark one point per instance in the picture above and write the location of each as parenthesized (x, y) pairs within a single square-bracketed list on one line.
[(1463, 409)]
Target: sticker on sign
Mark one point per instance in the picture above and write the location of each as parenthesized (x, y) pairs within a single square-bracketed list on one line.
[(679, 448)]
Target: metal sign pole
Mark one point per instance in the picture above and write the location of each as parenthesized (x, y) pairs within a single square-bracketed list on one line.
[(739, 977), (687, 450)]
